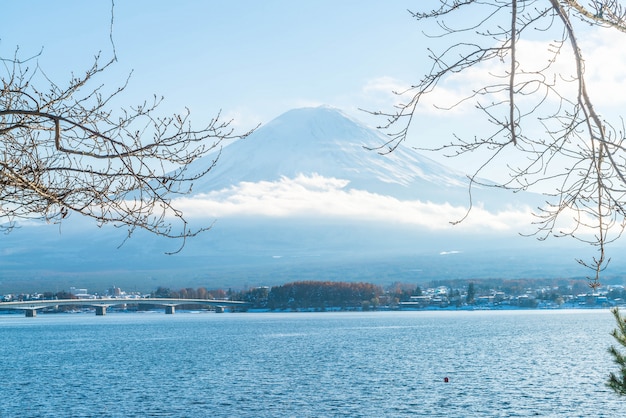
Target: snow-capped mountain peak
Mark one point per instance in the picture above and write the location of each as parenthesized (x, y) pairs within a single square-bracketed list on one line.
[(326, 142)]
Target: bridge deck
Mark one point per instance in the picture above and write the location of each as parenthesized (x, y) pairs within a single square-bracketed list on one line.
[(106, 302)]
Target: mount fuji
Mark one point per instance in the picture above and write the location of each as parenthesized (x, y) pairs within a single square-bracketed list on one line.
[(305, 197), (326, 142), (318, 161)]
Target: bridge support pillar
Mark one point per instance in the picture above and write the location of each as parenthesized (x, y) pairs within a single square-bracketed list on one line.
[(31, 313), (101, 310), (170, 309)]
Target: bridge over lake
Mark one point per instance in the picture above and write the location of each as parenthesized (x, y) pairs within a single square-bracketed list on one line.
[(101, 305)]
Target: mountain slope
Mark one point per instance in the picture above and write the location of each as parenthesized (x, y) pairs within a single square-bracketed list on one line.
[(300, 198), (325, 141)]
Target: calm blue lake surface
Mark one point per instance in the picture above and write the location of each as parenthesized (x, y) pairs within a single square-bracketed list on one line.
[(380, 364)]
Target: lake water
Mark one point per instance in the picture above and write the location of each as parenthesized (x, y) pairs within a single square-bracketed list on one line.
[(379, 364)]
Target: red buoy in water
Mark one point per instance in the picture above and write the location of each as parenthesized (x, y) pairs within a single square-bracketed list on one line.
[(446, 380)]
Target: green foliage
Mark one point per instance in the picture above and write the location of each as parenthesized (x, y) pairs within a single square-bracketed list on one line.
[(617, 382), (471, 293), (162, 292), (322, 295), (257, 297)]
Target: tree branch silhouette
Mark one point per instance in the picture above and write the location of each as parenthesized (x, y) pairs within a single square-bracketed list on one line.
[(543, 120)]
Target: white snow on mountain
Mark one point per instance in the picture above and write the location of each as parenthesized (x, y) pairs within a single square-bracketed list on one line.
[(301, 198), (325, 141), (318, 162)]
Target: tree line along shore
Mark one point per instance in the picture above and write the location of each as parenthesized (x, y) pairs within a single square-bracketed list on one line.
[(331, 295)]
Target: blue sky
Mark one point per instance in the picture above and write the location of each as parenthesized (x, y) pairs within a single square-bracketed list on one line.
[(255, 60), (252, 59)]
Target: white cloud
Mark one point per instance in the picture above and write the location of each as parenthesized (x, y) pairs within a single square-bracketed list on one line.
[(380, 93), (605, 56), (604, 59), (384, 86), (317, 196)]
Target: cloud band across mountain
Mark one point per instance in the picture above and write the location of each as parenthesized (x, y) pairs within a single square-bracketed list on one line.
[(318, 196)]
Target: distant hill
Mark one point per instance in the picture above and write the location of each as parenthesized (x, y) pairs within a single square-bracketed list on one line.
[(303, 198)]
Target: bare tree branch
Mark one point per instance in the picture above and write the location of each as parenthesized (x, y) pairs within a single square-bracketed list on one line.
[(65, 151), (552, 133)]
